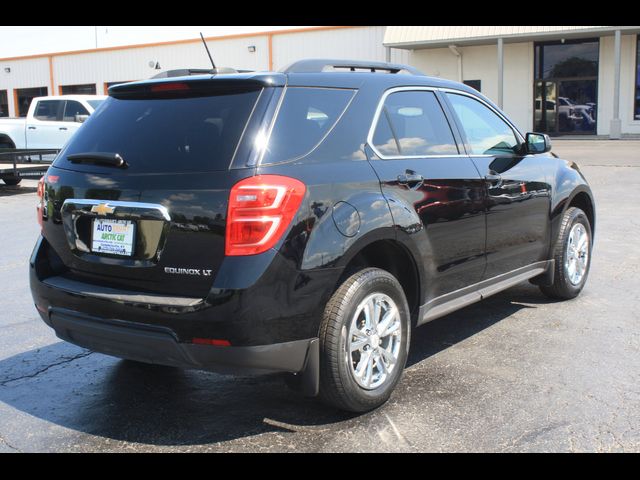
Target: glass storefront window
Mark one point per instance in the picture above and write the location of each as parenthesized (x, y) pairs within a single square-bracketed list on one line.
[(24, 97), (88, 89), (4, 104), (636, 111), (566, 87), (576, 58)]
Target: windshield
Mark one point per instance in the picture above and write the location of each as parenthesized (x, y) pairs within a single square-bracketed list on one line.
[(165, 134)]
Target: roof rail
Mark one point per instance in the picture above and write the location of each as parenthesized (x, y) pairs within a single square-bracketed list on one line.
[(182, 72), (317, 65)]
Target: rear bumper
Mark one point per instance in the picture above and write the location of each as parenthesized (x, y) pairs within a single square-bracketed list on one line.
[(159, 346)]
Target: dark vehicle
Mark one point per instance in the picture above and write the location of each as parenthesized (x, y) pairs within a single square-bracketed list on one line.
[(303, 221)]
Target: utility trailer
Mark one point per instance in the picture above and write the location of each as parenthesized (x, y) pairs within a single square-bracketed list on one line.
[(19, 163)]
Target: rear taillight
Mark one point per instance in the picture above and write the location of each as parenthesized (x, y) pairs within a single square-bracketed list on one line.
[(260, 211), (40, 205)]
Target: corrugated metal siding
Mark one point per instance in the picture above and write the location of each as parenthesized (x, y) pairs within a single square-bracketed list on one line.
[(363, 43), (28, 73), (414, 34), (133, 64)]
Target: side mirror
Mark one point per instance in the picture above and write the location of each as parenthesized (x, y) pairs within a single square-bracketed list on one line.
[(81, 118), (537, 143)]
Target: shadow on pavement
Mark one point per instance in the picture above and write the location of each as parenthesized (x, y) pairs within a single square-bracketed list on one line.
[(122, 400), (10, 190)]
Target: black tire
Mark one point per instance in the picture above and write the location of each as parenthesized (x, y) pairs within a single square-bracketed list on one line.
[(12, 181), (562, 287), (338, 386)]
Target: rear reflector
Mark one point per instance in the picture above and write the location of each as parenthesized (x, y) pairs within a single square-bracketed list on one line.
[(211, 341), (260, 211), (40, 204)]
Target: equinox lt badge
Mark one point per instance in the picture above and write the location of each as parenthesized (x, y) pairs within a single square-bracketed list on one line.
[(188, 271)]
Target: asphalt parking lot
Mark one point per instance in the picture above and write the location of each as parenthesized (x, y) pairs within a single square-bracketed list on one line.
[(516, 372)]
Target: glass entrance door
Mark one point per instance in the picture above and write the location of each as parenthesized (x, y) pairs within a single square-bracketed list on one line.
[(577, 106), (566, 87)]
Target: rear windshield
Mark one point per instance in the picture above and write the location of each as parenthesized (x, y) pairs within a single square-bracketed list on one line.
[(165, 134)]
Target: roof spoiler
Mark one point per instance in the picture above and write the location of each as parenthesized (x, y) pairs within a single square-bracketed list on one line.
[(185, 72), (323, 65)]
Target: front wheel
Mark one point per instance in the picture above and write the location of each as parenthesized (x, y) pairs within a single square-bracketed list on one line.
[(364, 341), (572, 254)]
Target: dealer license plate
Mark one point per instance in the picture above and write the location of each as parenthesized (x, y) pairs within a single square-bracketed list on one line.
[(113, 237)]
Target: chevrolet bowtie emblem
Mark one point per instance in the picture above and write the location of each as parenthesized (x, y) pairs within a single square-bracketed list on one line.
[(102, 209)]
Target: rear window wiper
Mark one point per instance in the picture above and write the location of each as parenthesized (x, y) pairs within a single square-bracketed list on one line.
[(101, 158)]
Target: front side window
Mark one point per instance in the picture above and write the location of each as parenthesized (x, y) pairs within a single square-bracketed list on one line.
[(73, 108), (306, 116), (486, 132), (47, 110), (412, 124)]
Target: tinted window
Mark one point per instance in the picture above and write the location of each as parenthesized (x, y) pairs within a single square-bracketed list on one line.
[(73, 108), (166, 135), (577, 58), (4, 104), (636, 113), (306, 116), (95, 103), (412, 123), (47, 110), (88, 89), (487, 133), (25, 95)]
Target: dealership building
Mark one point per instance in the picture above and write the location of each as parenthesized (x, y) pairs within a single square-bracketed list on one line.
[(562, 80)]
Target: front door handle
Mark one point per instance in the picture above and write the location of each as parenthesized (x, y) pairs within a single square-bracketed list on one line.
[(63, 128), (31, 128), (410, 179)]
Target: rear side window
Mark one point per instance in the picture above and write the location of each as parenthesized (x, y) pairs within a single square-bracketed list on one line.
[(162, 135), (412, 124), (47, 110), (306, 116)]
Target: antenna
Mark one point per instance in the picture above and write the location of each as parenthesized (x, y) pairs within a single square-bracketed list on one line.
[(208, 53)]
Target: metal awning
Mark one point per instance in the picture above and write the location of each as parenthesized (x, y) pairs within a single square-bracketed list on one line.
[(416, 37)]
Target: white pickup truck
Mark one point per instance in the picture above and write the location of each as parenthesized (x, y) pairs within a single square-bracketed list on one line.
[(50, 122)]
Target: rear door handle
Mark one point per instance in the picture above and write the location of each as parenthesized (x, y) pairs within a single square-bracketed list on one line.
[(31, 128), (410, 179), (63, 128)]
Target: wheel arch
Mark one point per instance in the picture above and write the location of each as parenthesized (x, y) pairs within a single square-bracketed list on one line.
[(390, 254), (6, 140)]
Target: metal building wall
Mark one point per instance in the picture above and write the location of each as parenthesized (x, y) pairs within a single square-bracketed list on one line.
[(27, 73), (362, 43), (125, 64), (133, 64)]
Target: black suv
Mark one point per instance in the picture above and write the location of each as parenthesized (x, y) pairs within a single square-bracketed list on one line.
[(301, 221)]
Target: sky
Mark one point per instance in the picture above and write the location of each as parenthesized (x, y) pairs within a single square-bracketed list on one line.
[(19, 41)]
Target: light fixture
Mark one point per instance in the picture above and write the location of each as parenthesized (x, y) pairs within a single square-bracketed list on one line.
[(7, 69), (252, 48)]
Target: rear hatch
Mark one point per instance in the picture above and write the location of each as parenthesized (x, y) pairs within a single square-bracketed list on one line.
[(138, 198)]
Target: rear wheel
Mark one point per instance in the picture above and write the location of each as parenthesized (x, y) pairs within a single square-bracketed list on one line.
[(572, 254), (364, 341), (12, 181)]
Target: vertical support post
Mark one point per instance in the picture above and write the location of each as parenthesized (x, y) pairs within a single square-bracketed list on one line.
[(387, 54), (615, 128), (500, 72)]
